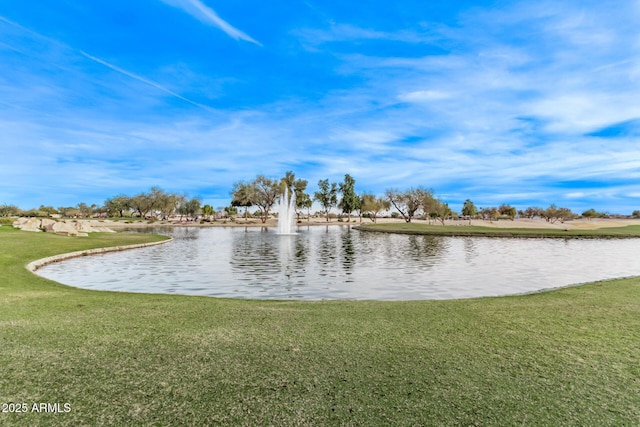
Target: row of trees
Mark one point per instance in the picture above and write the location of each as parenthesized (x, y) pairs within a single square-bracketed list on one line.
[(505, 211), (263, 193), (81, 210), (156, 203)]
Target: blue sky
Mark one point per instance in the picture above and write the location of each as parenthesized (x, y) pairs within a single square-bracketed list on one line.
[(520, 102)]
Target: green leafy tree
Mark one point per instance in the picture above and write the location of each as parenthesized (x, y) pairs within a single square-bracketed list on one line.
[(469, 209), (189, 208), (554, 213), (35, 213), (372, 205), (532, 212), (117, 205), (440, 210), (565, 214), (244, 195), (327, 195), (50, 210), (165, 204), (231, 211), (431, 207), (635, 214), (549, 214), (208, 211), (508, 211), (68, 211), (303, 201), (182, 210), (193, 207), (491, 214), (267, 192), (85, 210), (592, 213), (350, 200), (288, 182), (297, 187), (9, 210)]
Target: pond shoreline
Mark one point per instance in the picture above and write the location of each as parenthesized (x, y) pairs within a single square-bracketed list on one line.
[(33, 266), (338, 263), (525, 233)]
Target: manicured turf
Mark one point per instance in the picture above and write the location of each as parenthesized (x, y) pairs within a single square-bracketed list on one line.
[(474, 230), (567, 357)]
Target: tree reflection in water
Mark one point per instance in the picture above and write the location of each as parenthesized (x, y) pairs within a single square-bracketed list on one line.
[(340, 263)]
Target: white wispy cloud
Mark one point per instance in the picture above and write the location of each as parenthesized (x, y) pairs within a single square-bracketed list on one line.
[(143, 80), (424, 95), (204, 13), (508, 112), (337, 32)]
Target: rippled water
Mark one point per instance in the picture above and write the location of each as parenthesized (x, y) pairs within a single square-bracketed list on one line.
[(340, 263)]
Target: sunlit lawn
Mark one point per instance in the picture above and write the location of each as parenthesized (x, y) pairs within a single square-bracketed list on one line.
[(566, 357), (476, 230)]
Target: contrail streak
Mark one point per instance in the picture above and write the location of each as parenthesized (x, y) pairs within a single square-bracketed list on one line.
[(143, 80), (199, 10)]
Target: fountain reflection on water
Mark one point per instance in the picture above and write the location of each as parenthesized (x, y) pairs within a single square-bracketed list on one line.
[(336, 262)]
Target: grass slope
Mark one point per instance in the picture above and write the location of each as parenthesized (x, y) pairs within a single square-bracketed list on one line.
[(567, 357), (474, 230)]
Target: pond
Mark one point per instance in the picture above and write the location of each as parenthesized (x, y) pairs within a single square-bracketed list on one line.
[(336, 262)]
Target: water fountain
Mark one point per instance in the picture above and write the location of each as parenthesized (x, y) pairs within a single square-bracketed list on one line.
[(334, 263), (287, 214)]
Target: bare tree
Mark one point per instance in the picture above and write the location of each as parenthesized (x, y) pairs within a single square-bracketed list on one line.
[(142, 203), (407, 203), (267, 193)]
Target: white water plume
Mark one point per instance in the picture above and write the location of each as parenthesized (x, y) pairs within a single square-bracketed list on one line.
[(287, 213)]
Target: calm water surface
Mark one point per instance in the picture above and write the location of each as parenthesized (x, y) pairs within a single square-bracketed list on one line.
[(340, 263)]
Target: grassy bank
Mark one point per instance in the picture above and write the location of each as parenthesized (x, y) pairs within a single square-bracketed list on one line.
[(567, 357), (475, 230)]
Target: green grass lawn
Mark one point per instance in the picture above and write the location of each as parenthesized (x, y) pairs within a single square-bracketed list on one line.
[(566, 357), (476, 230)]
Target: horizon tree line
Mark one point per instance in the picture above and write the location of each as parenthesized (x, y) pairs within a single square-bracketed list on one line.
[(263, 193)]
